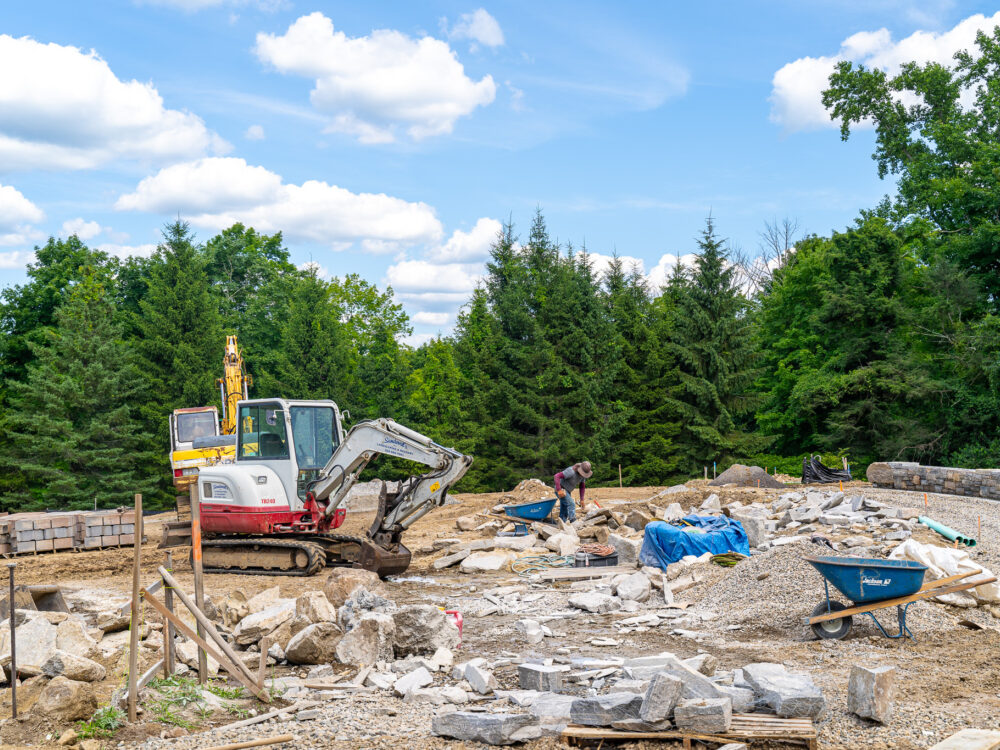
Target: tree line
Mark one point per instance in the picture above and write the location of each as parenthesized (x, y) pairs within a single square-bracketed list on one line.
[(878, 342)]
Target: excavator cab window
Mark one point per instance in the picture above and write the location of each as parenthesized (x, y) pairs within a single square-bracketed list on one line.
[(195, 425), (314, 433), (262, 432)]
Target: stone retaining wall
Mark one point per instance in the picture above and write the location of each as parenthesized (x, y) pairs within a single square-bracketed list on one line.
[(902, 475)]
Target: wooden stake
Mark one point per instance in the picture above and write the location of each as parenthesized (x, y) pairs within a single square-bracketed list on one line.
[(209, 628), (169, 653), (706, 472), (265, 646), (619, 476), (199, 584), (134, 627), (254, 743), (12, 614), (224, 662), (925, 501)]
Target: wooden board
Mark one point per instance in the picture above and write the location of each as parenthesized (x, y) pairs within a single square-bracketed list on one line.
[(971, 739), (743, 727), (928, 593), (566, 574)]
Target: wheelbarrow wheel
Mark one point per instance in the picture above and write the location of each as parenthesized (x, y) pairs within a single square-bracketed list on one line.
[(831, 629)]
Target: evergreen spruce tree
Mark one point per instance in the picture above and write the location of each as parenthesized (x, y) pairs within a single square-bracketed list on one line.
[(179, 338), (711, 340), (72, 424)]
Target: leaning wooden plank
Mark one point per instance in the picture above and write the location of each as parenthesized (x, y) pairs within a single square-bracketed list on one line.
[(265, 646), (151, 588), (927, 594), (592, 572), (254, 743), (270, 715), (938, 583), (181, 626), (206, 624), (149, 674)]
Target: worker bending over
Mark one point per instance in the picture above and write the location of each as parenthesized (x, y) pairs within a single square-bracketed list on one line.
[(568, 480)]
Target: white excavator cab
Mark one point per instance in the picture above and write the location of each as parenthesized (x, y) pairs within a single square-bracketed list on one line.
[(295, 439)]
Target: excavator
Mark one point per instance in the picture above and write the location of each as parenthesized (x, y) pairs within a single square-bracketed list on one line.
[(275, 509), (196, 440)]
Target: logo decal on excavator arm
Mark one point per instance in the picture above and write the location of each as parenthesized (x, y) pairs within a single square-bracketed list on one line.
[(435, 487)]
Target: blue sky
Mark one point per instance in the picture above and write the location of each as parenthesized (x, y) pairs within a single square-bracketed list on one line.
[(389, 139)]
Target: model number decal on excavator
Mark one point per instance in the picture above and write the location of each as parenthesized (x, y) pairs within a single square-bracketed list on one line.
[(266, 500)]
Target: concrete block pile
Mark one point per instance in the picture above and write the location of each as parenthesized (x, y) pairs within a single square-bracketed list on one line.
[(31, 533)]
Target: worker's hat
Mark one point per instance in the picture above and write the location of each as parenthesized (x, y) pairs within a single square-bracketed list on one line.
[(585, 469)]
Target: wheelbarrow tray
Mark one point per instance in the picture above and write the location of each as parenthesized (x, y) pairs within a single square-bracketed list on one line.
[(535, 511), (864, 580)]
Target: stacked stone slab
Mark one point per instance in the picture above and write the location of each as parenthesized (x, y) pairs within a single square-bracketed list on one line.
[(31, 533), (902, 475)]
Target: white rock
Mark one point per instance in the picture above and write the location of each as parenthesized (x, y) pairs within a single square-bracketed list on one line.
[(634, 588), (485, 562), (418, 678)]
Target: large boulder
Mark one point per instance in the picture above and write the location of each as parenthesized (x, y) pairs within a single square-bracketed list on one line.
[(423, 629), (315, 607), (264, 600), (627, 548), (708, 715), (369, 641), (634, 588), (317, 644), (661, 696), (603, 710), (66, 700), (790, 695), (342, 582), (746, 476), (361, 601), (74, 667), (256, 625), (72, 637), (36, 642)]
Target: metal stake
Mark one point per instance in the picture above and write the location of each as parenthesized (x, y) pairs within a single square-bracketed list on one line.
[(12, 611)]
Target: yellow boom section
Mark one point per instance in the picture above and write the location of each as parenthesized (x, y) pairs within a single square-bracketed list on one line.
[(234, 384)]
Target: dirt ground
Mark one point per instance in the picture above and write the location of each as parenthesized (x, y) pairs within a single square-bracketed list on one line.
[(948, 680)]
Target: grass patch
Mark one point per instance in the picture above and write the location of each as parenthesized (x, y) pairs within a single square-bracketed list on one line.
[(105, 722), (176, 694), (225, 691)]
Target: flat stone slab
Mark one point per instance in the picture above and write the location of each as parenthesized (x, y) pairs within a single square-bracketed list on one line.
[(493, 729), (709, 715), (971, 739)]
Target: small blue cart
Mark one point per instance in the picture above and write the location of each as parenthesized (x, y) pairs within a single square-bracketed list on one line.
[(872, 584)]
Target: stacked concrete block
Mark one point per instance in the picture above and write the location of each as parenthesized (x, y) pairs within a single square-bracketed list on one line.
[(30, 533)]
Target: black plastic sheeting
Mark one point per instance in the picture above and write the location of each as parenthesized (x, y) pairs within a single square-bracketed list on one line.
[(814, 472)]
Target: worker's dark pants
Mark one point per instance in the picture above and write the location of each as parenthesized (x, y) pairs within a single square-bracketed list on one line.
[(567, 508)]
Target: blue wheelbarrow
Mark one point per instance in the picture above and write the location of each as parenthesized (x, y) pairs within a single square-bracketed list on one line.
[(524, 512), (873, 584)]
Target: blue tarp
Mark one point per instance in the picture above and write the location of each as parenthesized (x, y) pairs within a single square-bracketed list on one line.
[(665, 544)]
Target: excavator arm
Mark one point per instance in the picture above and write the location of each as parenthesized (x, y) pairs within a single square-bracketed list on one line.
[(417, 496)]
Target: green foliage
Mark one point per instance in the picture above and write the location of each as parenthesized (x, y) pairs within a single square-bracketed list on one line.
[(72, 425), (222, 690), (104, 723)]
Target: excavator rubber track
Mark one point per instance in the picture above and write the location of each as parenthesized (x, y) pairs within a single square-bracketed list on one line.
[(263, 556)]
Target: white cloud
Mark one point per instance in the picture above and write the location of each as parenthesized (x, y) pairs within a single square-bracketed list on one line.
[(128, 251), (81, 228), (416, 340), (425, 277), (479, 27), (217, 192), (664, 268), (467, 247), (310, 265), (254, 133), (16, 259), (797, 87), (17, 215), (375, 84), (61, 107), (431, 318)]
